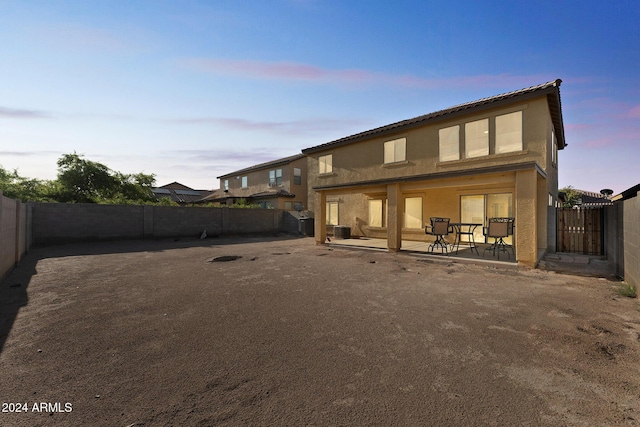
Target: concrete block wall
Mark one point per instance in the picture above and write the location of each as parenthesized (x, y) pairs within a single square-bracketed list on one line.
[(622, 238), (55, 223), (14, 233), (182, 221), (69, 222), (631, 244)]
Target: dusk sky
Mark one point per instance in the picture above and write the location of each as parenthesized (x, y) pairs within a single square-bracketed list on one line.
[(191, 90)]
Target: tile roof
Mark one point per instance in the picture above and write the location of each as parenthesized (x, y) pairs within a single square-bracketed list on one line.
[(272, 163), (551, 89), (629, 193), (272, 193), (180, 193)]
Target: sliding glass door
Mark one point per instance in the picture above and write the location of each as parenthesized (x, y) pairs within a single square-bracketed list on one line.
[(472, 211), (479, 208)]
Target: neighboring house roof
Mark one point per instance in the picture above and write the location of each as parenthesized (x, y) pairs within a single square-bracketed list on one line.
[(180, 193), (270, 164), (591, 199), (214, 197), (627, 194), (272, 193), (551, 89)]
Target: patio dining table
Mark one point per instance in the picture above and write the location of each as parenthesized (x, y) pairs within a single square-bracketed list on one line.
[(465, 229)]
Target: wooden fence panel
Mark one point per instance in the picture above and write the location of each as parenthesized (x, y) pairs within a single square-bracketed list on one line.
[(580, 231)]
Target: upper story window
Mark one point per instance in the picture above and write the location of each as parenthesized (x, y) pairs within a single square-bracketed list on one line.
[(226, 185), (476, 138), (245, 183), (449, 143), (275, 177), (509, 132), (297, 176), (325, 164), (395, 151)]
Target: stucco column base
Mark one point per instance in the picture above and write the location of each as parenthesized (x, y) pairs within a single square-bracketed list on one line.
[(320, 220), (394, 219)]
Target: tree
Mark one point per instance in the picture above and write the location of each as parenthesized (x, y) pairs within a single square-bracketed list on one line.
[(573, 196), (26, 189), (86, 181)]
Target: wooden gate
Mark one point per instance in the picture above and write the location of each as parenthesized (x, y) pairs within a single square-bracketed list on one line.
[(580, 231)]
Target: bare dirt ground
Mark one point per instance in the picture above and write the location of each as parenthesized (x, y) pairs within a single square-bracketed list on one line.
[(156, 334)]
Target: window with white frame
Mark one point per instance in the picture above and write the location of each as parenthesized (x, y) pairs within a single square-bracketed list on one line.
[(325, 164), (413, 212), (332, 213), (275, 177), (395, 151), (476, 138), (245, 182), (376, 209), (297, 176), (509, 132), (449, 140), (226, 185)]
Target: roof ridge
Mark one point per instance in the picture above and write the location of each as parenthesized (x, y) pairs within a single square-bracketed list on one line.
[(438, 113), (265, 164)]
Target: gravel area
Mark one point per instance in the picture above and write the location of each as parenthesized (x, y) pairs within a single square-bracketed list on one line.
[(280, 331)]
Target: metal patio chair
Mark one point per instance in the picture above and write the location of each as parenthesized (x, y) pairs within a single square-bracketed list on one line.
[(440, 228), (499, 228)]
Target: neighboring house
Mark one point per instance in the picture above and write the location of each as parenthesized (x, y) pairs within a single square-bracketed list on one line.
[(279, 184), (180, 194), (495, 157), (589, 199)]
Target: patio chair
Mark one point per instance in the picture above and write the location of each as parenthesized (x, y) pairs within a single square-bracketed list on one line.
[(498, 229), (440, 228)]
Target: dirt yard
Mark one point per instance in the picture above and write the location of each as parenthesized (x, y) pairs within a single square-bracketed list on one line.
[(291, 334)]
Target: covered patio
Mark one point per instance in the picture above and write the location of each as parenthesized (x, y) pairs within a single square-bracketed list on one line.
[(422, 249)]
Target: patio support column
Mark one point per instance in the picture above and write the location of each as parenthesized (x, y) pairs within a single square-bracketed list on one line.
[(394, 217), (320, 217), (526, 206)]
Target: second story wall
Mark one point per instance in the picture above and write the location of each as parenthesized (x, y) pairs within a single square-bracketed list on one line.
[(290, 176), (364, 161)]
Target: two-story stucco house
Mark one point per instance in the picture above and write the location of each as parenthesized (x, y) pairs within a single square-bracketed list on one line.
[(279, 184), (495, 157)]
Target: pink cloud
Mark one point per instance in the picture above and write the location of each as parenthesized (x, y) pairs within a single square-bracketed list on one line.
[(294, 71), (633, 113), (616, 134)]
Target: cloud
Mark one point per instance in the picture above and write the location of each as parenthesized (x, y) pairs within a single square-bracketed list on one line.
[(295, 71), (295, 127), (12, 113), (633, 113), (74, 36), (224, 157), (29, 153), (615, 134)]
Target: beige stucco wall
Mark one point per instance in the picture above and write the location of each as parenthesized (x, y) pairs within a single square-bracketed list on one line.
[(258, 181), (363, 162), (440, 198)]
